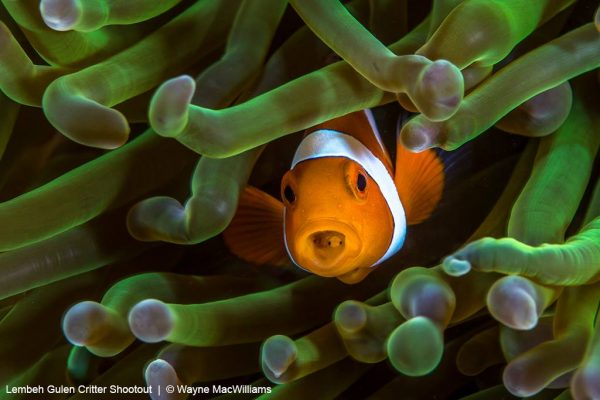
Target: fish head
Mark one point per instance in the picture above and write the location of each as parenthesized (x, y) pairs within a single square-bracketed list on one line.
[(337, 222)]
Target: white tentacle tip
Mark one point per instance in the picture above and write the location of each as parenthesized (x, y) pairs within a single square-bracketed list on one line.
[(455, 267)]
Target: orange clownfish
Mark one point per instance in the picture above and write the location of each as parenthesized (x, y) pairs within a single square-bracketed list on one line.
[(345, 209)]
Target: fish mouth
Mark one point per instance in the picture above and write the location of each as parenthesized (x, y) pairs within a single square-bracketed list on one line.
[(327, 247)]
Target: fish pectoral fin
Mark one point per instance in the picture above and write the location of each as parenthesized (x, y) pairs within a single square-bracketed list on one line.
[(419, 178), (256, 232)]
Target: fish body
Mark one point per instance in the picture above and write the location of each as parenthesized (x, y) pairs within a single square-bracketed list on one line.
[(345, 208)]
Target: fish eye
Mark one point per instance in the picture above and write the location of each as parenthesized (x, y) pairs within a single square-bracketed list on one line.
[(289, 194), (361, 182), (356, 180)]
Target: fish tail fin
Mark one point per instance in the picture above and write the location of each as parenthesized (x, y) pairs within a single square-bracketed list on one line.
[(419, 179), (256, 232)]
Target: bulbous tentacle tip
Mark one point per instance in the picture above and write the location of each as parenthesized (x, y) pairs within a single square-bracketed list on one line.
[(168, 112), (415, 348), (350, 316), (151, 321), (60, 15), (455, 267), (585, 384), (70, 112), (159, 373), (82, 322), (439, 90), (417, 136), (515, 379), (277, 354), (597, 19), (541, 115), (512, 304), (146, 219)]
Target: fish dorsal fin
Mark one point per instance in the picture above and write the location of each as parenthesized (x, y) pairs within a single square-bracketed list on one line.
[(419, 178), (256, 232), (360, 125)]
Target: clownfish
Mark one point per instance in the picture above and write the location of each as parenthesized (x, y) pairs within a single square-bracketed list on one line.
[(345, 208)]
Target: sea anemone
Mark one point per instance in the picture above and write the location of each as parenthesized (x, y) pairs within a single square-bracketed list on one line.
[(130, 128)]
